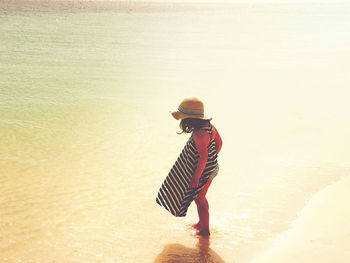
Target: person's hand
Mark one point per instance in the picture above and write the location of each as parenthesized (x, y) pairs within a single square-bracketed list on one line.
[(194, 182)]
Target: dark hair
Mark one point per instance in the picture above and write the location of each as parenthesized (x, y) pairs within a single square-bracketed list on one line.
[(189, 125)]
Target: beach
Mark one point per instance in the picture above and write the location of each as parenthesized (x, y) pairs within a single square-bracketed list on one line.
[(87, 138), (321, 231)]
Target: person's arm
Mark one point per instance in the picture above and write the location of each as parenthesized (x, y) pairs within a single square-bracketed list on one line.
[(201, 139), (218, 141)]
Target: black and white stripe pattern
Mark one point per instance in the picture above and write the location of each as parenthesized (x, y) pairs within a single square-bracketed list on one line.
[(175, 195)]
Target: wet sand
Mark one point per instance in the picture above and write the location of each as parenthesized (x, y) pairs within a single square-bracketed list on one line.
[(177, 253), (320, 234)]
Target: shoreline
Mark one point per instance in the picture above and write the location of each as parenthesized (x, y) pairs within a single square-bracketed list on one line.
[(321, 233), (74, 6)]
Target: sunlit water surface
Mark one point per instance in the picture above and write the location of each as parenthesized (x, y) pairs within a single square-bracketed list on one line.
[(87, 138)]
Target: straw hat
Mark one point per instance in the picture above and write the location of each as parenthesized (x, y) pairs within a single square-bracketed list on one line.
[(190, 108)]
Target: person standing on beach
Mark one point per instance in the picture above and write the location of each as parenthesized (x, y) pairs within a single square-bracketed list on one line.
[(195, 168)]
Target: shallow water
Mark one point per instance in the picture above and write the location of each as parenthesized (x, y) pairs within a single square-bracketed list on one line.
[(87, 138)]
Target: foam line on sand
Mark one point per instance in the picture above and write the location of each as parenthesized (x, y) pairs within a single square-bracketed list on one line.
[(320, 234)]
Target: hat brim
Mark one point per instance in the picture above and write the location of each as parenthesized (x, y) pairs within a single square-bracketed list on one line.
[(178, 115)]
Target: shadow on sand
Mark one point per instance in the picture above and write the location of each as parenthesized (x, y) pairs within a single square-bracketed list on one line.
[(176, 253)]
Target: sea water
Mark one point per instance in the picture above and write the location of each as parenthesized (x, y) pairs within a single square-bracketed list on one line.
[(86, 137)]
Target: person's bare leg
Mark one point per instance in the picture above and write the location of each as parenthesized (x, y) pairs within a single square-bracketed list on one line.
[(203, 211)]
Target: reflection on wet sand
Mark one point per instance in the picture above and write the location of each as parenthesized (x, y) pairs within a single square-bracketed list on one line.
[(176, 253)]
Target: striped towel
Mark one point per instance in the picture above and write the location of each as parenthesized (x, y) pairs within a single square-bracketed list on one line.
[(175, 195)]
